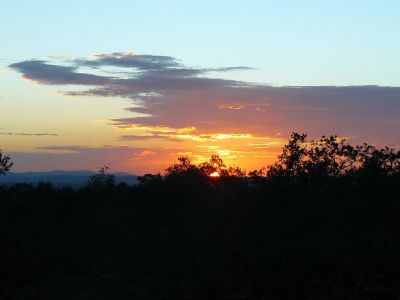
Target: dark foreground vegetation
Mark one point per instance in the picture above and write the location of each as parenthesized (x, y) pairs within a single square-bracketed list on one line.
[(323, 223)]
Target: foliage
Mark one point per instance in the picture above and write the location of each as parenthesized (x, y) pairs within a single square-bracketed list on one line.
[(332, 157), (185, 167), (150, 179), (102, 179), (5, 163)]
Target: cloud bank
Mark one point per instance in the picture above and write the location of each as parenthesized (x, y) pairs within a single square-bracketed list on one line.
[(174, 102)]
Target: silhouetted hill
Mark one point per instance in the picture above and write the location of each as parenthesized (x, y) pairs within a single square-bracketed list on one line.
[(61, 178)]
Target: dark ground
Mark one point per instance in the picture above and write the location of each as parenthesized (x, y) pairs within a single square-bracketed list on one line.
[(207, 239)]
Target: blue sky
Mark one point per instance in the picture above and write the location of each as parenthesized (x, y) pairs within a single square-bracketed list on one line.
[(289, 42)]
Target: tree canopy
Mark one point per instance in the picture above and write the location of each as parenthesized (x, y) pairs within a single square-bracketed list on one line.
[(5, 163), (332, 156)]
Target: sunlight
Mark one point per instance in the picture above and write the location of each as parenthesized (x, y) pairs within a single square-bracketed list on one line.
[(214, 174)]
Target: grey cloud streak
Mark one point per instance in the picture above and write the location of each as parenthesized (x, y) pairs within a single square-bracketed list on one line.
[(29, 134)]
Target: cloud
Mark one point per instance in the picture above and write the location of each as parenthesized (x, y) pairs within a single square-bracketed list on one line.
[(131, 137), (143, 154), (75, 149), (165, 92), (130, 60), (42, 72), (78, 157), (148, 74), (29, 134)]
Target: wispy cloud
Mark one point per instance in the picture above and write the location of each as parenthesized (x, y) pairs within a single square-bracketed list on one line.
[(29, 134)]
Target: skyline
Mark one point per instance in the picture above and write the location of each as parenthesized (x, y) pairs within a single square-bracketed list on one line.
[(72, 100)]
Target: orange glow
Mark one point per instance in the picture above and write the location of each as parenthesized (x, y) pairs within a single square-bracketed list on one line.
[(214, 174)]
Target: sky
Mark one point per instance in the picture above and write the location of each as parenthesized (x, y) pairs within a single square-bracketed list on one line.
[(135, 84)]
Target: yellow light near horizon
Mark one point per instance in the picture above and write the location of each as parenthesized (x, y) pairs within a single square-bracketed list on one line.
[(214, 174)]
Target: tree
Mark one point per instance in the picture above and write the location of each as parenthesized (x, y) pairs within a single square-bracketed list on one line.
[(290, 162), (102, 179), (328, 156), (5, 163), (372, 161), (150, 179), (183, 167), (214, 165), (333, 157)]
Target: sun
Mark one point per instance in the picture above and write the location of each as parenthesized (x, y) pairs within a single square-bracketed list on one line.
[(214, 174)]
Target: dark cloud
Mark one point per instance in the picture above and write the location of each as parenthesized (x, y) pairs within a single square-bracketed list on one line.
[(130, 60), (45, 73), (148, 63), (174, 95), (148, 73)]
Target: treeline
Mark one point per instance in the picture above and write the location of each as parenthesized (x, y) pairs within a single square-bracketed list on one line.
[(321, 223), (303, 158)]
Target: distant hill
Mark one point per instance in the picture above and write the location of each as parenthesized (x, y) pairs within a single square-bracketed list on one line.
[(60, 178)]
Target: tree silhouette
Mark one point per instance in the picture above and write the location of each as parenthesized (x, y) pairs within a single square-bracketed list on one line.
[(5, 163), (183, 167), (385, 161), (102, 179), (150, 179), (215, 164), (332, 157), (291, 160)]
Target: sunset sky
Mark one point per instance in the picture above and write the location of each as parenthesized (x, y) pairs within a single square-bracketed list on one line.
[(135, 84)]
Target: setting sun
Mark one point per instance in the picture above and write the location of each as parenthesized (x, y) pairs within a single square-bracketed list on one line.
[(214, 174)]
